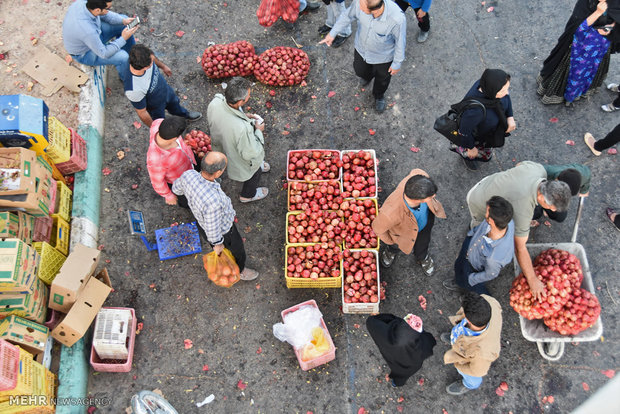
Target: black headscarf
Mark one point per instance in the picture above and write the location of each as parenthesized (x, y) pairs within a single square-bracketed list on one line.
[(403, 348)]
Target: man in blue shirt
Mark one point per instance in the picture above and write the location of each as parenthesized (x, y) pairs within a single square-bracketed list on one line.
[(380, 42), (421, 8), (148, 90), (487, 248), (87, 28)]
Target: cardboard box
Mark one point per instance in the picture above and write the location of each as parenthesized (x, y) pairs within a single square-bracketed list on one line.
[(27, 334), (37, 203), (17, 171), (9, 225), (31, 306), (72, 277), (26, 227), (19, 264), (23, 122), (83, 312)]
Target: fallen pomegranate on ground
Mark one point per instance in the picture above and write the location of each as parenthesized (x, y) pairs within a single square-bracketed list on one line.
[(317, 261), (314, 227), (358, 216), (320, 195), (199, 142), (314, 165), (358, 174), (282, 66), (360, 283), (228, 60)]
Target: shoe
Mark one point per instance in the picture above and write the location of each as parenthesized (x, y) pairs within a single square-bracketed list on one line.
[(310, 7), (387, 258), (470, 164), (380, 105), (428, 265), (393, 384), (362, 83), (338, 41), (249, 274), (457, 388), (265, 167), (589, 140), (194, 116), (261, 192), (534, 223), (610, 213), (445, 338), (485, 155), (613, 87), (422, 36), (450, 284), (609, 107), (324, 29)]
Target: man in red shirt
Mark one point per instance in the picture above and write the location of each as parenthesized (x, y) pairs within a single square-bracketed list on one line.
[(168, 157)]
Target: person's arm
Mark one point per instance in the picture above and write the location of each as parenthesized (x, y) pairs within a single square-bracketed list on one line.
[(400, 37), (161, 65), (512, 125), (426, 6), (469, 121), (343, 21), (113, 18), (381, 226), (144, 116), (157, 174), (177, 186), (104, 51), (525, 262), (601, 8), (490, 271)]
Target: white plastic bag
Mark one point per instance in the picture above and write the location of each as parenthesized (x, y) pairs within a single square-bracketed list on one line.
[(297, 326)]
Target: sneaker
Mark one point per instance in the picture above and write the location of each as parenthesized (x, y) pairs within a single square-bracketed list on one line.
[(265, 167), (470, 164), (338, 41), (613, 87), (428, 265), (485, 154), (380, 105), (194, 116), (609, 107), (249, 274), (310, 7), (611, 215), (387, 258), (422, 36), (457, 388), (261, 192), (450, 284), (445, 338), (393, 384), (589, 140), (324, 29)]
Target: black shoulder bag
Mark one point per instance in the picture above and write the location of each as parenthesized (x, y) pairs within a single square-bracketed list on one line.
[(448, 123)]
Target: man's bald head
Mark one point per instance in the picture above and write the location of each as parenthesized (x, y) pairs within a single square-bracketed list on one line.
[(213, 162)]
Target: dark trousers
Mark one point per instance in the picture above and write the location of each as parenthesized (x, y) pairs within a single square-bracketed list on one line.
[(462, 270), (368, 71), (424, 24), (553, 215), (616, 102), (172, 104), (249, 187), (610, 139), (420, 248), (233, 242)]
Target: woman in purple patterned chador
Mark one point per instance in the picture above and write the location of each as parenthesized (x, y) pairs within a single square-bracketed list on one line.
[(579, 62)]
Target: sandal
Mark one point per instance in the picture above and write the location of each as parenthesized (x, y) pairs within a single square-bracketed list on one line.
[(261, 192), (590, 141), (611, 213), (265, 167), (534, 223)]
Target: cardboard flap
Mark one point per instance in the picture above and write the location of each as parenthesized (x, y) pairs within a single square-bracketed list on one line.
[(51, 71)]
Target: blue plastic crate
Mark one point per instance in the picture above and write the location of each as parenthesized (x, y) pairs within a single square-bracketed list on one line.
[(176, 241)]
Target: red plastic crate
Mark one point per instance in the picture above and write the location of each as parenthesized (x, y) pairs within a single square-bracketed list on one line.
[(112, 365), (79, 156), (9, 365), (323, 359), (53, 318), (42, 229), (53, 195)]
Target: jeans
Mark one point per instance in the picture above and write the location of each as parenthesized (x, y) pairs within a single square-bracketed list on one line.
[(172, 104), (368, 71), (334, 10), (249, 187), (471, 382), (553, 215), (120, 59), (233, 242), (462, 270)]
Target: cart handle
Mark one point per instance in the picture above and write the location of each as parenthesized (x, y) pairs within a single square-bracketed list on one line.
[(573, 238)]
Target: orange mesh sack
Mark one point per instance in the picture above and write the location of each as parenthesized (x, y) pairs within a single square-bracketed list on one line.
[(222, 270)]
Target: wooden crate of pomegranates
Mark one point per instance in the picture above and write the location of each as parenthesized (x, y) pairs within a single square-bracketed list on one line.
[(361, 287), (313, 165), (316, 265), (570, 312)]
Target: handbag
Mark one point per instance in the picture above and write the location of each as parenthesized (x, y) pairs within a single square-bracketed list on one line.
[(448, 123)]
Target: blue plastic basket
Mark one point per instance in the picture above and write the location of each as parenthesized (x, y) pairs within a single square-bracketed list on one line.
[(176, 241)]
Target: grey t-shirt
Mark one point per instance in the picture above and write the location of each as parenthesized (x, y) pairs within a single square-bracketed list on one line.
[(518, 185)]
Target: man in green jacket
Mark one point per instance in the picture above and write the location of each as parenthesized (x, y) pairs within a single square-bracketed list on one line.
[(240, 137)]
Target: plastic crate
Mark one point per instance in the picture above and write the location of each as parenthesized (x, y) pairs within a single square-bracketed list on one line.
[(364, 307), (298, 282), (374, 158), (292, 182), (176, 241), (9, 365), (288, 156), (101, 365), (323, 359), (60, 235), (63, 201), (50, 263), (53, 196), (374, 200), (42, 229), (25, 376), (59, 137), (79, 156)]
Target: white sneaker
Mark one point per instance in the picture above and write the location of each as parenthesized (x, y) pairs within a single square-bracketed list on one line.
[(613, 87), (609, 107), (248, 274), (265, 167)]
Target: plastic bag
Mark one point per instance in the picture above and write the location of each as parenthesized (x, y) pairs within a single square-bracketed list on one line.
[(318, 346), (298, 325), (222, 270)]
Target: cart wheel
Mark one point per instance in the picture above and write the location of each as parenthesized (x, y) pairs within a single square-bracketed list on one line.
[(551, 351)]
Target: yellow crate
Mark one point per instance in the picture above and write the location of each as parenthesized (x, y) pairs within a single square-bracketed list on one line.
[(25, 378), (50, 263), (60, 234), (376, 214), (63, 201), (59, 137), (295, 282)]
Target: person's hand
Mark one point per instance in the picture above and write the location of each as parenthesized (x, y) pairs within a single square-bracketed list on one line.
[(584, 195), (172, 201), (327, 40), (472, 153), (512, 125), (127, 33), (421, 13), (167, 71), (260, 127), (393, 71), (538, 289), (218, 248), (602, 6)]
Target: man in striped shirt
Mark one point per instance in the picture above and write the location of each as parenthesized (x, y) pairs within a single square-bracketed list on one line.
[(213, 209)]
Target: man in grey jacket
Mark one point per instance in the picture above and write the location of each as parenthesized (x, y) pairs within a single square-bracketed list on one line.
[(240, 137)]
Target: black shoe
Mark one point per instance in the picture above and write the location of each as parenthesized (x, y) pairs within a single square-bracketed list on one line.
[(470, 164), (324, 29), (362, 83), (428, 265), (338, 41), (194, 116), (450, 284), (457, 388), (380, 105), (445, 338), (387, 258), (311, 7)]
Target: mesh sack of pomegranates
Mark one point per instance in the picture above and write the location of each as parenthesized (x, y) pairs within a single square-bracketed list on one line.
[(282, 66), (228, 60)]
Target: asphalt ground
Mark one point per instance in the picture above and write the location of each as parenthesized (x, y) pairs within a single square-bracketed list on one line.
[(231, 329)]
